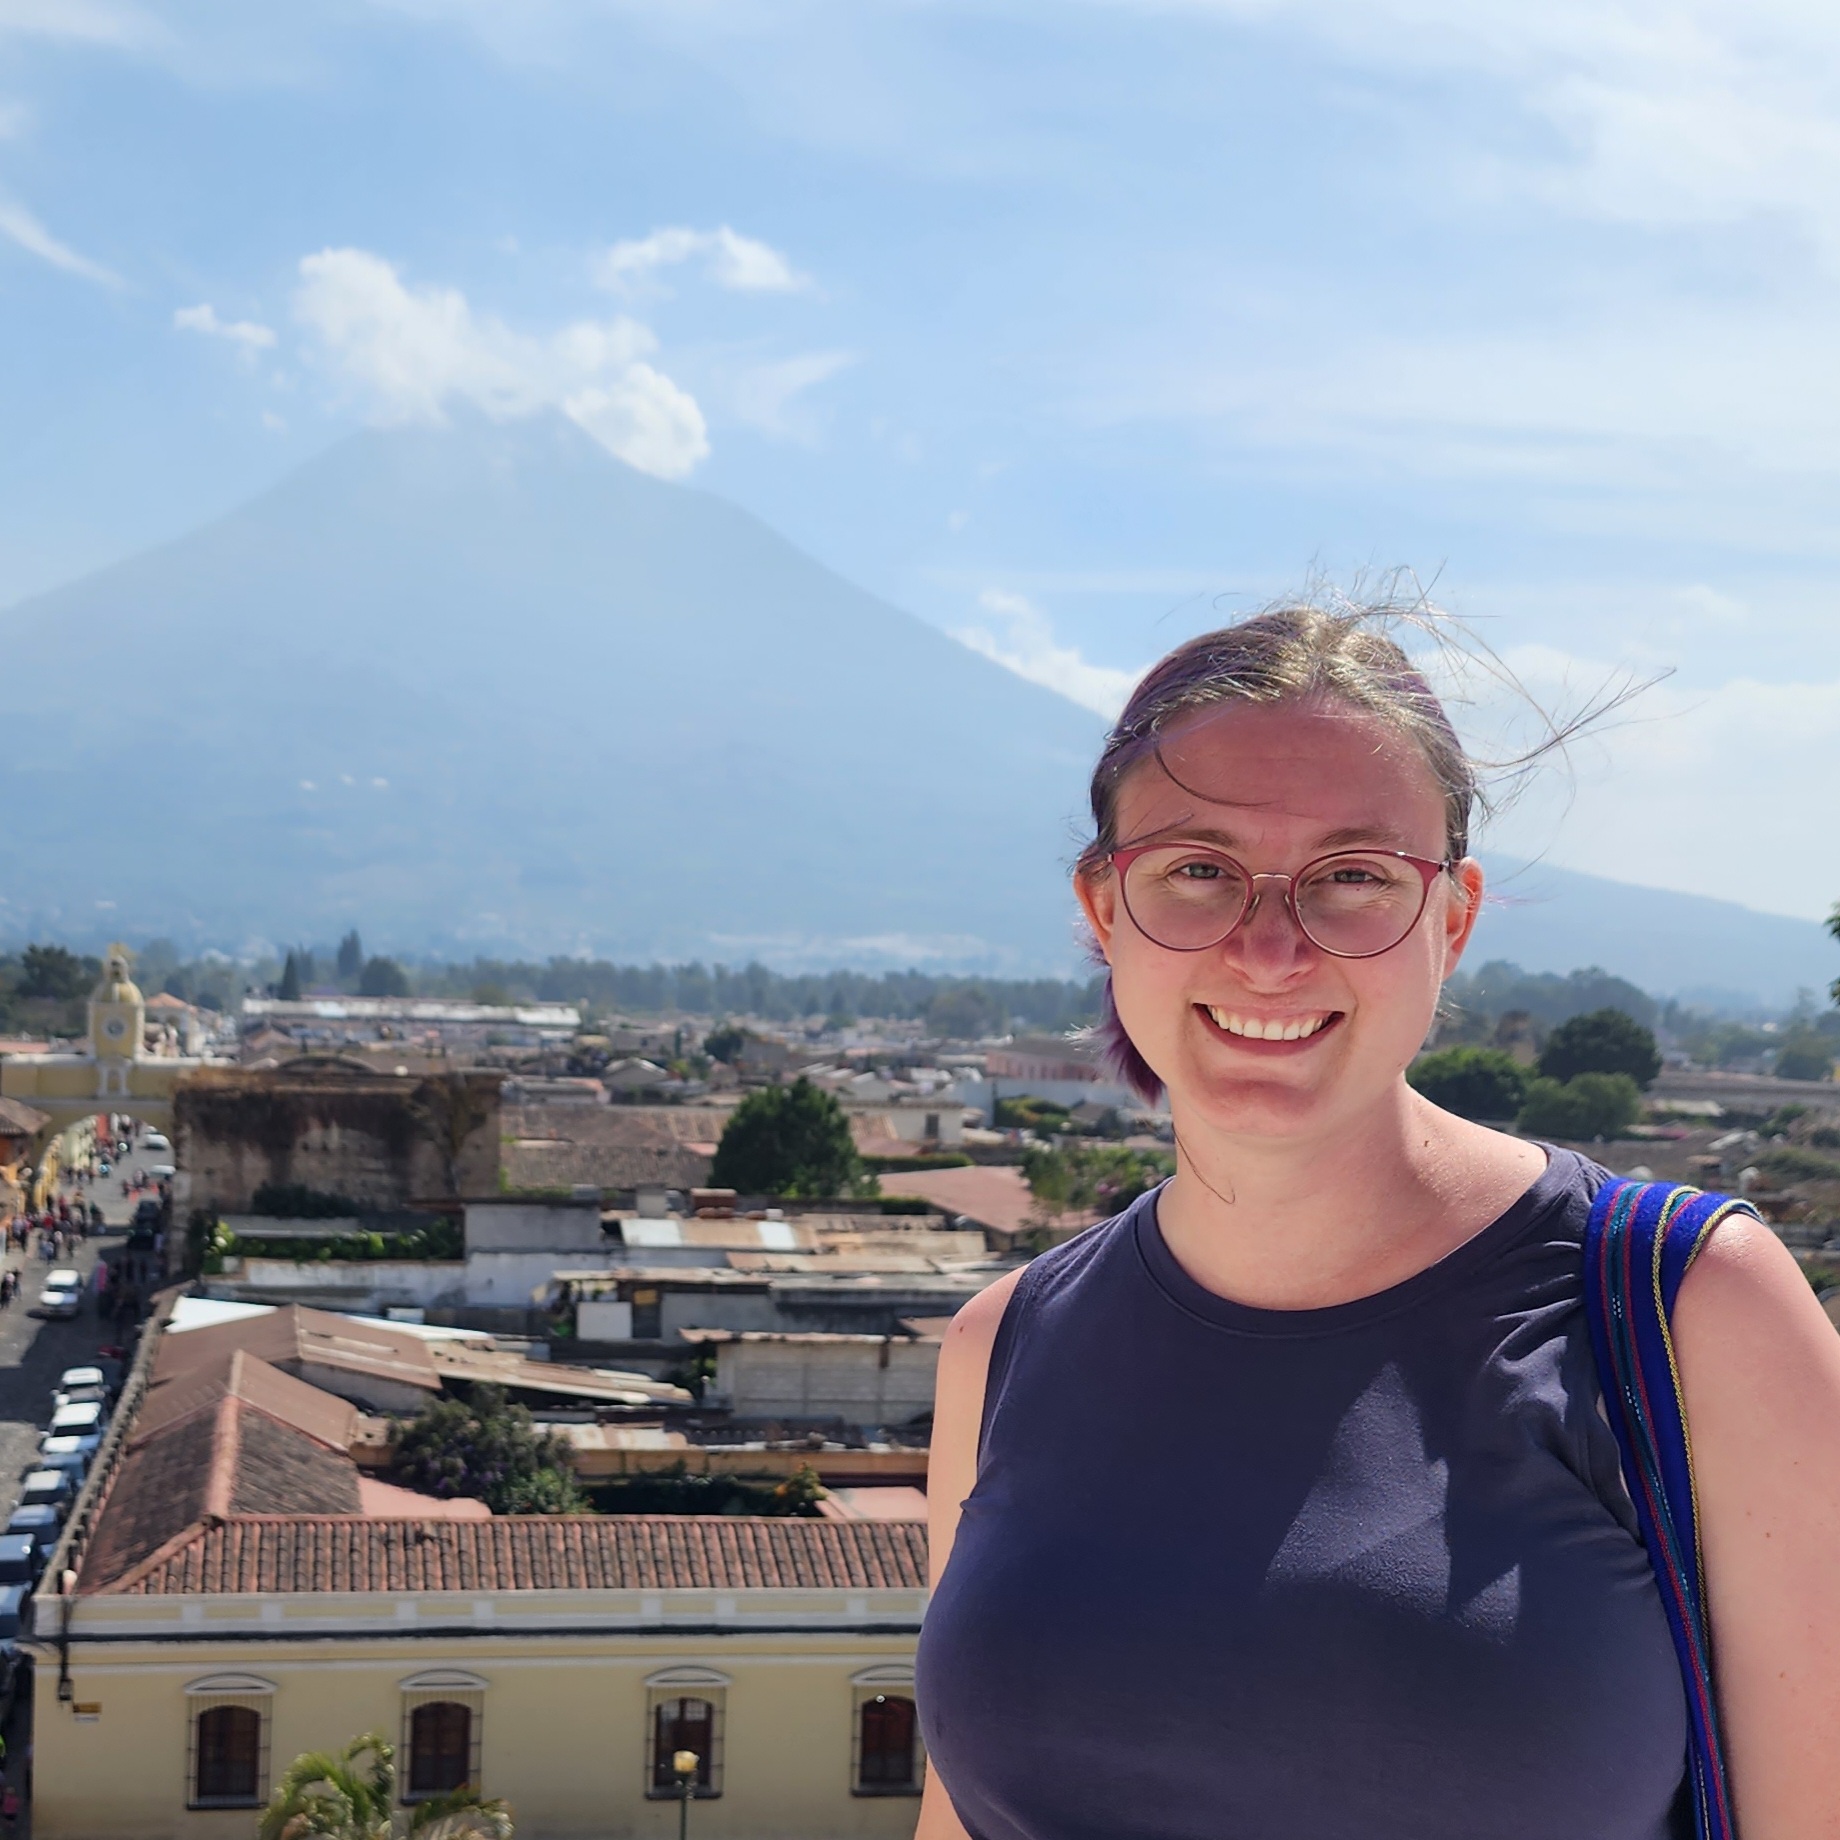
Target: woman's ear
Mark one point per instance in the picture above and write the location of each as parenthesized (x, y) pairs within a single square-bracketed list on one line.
[(1461, 907), (1098, 892)]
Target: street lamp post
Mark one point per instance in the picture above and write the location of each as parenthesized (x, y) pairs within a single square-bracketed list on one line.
[(685, 1765)]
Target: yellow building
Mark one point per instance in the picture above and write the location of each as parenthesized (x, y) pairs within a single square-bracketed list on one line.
[(111, 1071), (242, 1591), (555, 1661)]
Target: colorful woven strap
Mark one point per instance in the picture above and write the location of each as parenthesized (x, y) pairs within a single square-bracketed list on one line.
[(1640, 1240)]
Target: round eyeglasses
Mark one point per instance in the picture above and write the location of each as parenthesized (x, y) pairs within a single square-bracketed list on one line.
[(1352, 904)]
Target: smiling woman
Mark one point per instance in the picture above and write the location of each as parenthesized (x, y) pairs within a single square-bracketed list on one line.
[(1283, 1502)]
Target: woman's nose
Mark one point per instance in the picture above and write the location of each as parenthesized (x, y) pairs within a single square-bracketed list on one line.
[(1269, 938)]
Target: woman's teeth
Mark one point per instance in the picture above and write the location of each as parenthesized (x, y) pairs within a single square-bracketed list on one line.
[(1289, 1028)]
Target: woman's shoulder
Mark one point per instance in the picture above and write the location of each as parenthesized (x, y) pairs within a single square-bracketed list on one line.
[(981, 1322)]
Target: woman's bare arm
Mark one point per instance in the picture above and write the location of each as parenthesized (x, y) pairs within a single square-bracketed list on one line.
[(1760, 1367), (951, 1470)]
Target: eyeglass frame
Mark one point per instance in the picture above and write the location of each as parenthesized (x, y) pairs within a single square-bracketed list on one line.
[(1428, 870)]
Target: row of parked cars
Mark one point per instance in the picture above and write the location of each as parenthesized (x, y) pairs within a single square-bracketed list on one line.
[(80, 1409)]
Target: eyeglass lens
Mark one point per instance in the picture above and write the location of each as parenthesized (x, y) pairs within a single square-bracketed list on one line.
[(1352, 905)]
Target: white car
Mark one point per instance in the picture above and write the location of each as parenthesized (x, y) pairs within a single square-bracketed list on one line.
[(77, 1421), (60, 1300), (156, 1140)]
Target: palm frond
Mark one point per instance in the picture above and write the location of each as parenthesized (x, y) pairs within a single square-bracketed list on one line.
[(462, 1814)]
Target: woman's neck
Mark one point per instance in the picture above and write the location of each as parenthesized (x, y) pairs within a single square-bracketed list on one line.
[(1304, 1222)]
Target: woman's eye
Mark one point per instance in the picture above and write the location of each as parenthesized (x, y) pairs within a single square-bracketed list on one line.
[(1198, 871)]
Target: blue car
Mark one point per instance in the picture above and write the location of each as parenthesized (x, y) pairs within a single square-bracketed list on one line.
[(39, 1520), (21, 1559)]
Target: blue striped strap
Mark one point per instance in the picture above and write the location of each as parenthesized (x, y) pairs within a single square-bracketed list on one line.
[(1639, 1242)]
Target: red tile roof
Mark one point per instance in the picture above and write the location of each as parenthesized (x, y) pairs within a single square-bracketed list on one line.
[(993, 1194), (231, 1460), (246, 1555), (181, 1389)]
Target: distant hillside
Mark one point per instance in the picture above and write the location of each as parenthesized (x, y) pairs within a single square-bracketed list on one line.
[(1674, 945), (486, 690), (489, 688)]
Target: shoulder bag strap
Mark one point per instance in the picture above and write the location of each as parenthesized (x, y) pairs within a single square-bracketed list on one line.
[(1640, 1240)]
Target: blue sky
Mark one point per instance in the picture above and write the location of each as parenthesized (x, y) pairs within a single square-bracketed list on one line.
[(1064, 325)]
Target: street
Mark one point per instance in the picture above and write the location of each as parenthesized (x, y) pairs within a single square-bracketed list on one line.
[(33, 1353)]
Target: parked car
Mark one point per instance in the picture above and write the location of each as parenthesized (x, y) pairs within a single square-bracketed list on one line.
[(39, 1519), (54, 1444), (73, 1378), (78, 1421), (79, 1396), (53, 1487), (75, 1463), (21, 1559), (157, 1140), (162, 1172)]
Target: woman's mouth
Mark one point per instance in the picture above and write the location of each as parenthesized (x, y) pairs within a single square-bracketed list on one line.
[(1246, 1028)]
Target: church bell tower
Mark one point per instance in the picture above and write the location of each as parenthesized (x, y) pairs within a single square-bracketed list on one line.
[(117, 1024)]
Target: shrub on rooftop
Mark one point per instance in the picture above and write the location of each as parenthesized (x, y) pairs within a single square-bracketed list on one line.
[(790, 1140), (491, 1450), (1581, 1110), (1075, 1177), (1603, 1041), (1472, 1082)]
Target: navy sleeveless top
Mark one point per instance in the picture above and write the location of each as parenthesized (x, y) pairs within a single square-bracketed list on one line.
[(1245, 1574)]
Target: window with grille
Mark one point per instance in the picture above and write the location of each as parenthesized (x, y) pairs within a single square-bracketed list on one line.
[(886, 1755), (443, 1717), (885, 1749), (227, 1733), (440, 1747), (685, 1713)]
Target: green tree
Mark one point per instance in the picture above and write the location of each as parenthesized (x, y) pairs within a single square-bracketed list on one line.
[(1804, 1055), (725, 1043), (1603, 1041), (351, 1795), (351, 956), (789, 1140), (1074, 1177), (1472, 1082), (51, 971), (963, 1012), (383, 977), (288, 990), (1581, 1109), (490, 1450)]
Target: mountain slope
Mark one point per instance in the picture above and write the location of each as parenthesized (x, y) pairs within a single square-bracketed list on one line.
[(487, 686), (1549, 919)]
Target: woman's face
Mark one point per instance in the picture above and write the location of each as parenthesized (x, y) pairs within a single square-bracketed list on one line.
[(1276, 787)]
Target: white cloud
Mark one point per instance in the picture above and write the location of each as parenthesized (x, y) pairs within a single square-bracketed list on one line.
[(1659, 112), (412, 351), (88, 21), (18, 225), (1029, 648), (1706, 789), (766, 396), (247, 334), (741, 263)]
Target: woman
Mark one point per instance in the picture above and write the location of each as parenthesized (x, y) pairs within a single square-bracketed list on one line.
[(1281, 1505)]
